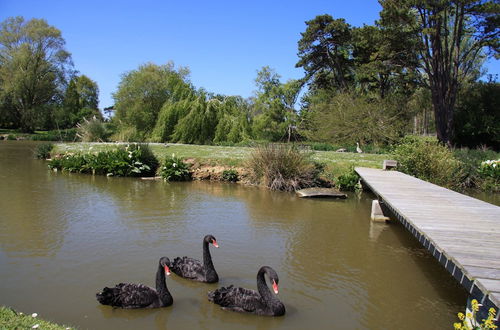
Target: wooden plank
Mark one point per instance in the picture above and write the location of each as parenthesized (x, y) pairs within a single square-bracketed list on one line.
[(463, 229), (483, 272)]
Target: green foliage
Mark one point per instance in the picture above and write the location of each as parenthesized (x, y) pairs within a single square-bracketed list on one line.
[(428, 160), (230, 175), (80, 102), (324, 52), (93, 130), (10, 319), (55, 135), (470, 160), (273, 109), (282, 167), (175, 169), (43, 150), (347, 118), (198, 126), (132, 160), (348, 181), (477, 119), (33, 67), (11, 137), (470, 321), (143, 92)]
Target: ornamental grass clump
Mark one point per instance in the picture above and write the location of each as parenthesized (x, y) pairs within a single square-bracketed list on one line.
[(427, 159), (282, 167), (174, 169), (93, 130)]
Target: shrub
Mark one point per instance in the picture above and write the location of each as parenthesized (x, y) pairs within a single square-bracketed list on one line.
[(490, 172), (92, 130), (230, 175), (174, 169), (55, 135), (428, 160), (43, 150), (282, 167), (348, 181), (11, 137), (133, 160)]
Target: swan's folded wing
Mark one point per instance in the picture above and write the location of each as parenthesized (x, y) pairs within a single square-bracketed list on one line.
[(135, 295), (237, 299), (187, 267)]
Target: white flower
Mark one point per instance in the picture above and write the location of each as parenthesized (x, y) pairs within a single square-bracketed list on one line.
[(34, 315), (174, 165), (35, 326)]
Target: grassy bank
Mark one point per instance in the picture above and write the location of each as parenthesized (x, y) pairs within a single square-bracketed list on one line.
[(10, 319), (336, 163)]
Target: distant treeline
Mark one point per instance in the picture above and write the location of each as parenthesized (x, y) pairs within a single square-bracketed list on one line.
[(416, 70)]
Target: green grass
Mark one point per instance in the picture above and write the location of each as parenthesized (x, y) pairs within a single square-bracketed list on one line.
[(336, 162), (10, 319)]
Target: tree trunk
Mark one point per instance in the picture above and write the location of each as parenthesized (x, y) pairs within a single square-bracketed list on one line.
[(443, 101)]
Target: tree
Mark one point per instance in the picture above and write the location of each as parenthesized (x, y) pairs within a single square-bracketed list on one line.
[(81, 101), (33, 67), (142, 93), (325, 52), (452, 34), (274, 113)]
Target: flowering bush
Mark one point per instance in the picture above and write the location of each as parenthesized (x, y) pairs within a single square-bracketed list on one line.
[(490, 168), (469, 322), (133, 160), (174, 169)]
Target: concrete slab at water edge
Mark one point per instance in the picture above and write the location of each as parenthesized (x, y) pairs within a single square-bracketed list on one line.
[(320, 193)]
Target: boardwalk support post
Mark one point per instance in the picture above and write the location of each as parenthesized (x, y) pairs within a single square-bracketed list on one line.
[(377, 213)]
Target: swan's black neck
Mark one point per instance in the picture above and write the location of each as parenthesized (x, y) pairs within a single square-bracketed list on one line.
[(161, 287), (210, 273), (272, 302)]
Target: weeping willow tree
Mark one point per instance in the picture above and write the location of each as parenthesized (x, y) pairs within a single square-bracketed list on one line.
[(234, 121)]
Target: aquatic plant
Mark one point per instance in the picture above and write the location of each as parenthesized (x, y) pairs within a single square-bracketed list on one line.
[(348, 181), (132, 160), (230, 175), (43, 150), (174, 169)]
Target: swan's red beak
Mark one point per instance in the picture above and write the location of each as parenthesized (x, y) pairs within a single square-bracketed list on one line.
[(214, 242), (167, 270), (275, 287)]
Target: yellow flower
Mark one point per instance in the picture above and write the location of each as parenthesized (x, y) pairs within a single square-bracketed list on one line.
[(461, 316), (492, 311), (475, 305), (457, 326)]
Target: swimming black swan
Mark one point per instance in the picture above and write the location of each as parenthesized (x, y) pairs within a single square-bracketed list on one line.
[(250, 301), (193, 269), (129, 295)]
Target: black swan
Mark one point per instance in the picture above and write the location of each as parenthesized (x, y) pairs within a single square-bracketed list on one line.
[(129, 295), (193, 269), (251, 301)]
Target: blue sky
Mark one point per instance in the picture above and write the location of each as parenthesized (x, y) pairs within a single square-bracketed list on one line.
[(224, 43)]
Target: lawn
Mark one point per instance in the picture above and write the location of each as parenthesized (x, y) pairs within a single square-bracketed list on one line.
[(335, 162)]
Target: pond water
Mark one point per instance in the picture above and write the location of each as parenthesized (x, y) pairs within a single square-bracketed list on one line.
[(63, 237)]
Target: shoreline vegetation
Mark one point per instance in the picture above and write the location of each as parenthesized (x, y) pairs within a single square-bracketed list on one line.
[(11, 319), (459, 170)]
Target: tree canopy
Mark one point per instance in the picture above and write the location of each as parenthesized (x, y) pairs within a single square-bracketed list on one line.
[(34, 67)]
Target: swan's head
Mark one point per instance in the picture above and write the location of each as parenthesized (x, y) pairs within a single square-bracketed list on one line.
[(273, 277), (275, 286), (165, 262), (211, 239)]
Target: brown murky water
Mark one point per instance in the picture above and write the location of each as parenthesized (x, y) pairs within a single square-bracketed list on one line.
[(65, 236)]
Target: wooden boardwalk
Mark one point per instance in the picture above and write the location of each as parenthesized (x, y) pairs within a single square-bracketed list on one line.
[(461, 232)]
